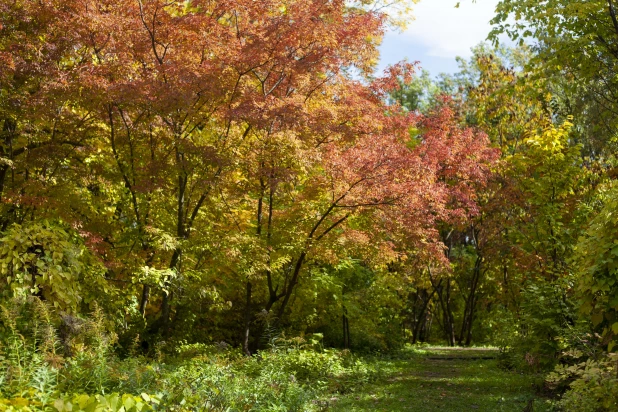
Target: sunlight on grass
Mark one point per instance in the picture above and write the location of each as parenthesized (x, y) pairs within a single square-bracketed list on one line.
[(418, 382)]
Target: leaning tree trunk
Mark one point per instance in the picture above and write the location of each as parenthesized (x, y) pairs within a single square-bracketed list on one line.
[(420, 321)]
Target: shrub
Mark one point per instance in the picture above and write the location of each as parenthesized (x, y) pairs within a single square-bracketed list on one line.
[(51, 362), (592, 384)]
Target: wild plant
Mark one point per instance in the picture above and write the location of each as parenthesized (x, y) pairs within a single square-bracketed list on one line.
[(88, 369), (28, 360)]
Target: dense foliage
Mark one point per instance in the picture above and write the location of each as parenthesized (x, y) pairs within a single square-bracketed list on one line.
[(199, 199)]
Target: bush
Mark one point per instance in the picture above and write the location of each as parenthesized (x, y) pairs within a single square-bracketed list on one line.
[(290, 376), (538, 336), (592, 384)]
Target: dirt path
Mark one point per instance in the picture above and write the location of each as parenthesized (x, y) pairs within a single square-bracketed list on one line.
[(445, 380)]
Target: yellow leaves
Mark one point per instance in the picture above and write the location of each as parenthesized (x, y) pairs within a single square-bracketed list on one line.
[(162, 240), (553, 140), (112, 403), (154, 276)]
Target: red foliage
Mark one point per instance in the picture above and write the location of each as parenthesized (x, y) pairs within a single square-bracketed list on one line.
[(160, 94)]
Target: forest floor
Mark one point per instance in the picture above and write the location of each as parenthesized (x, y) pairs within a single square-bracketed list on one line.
[(445, 380)]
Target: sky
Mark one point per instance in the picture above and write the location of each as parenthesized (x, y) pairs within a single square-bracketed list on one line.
[(439, 33)]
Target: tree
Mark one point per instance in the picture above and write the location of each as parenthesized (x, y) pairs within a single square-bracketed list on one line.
[(596, 263), (576, 47), (220, 151)]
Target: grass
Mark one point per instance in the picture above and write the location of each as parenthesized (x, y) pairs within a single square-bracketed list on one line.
[(445, 380)]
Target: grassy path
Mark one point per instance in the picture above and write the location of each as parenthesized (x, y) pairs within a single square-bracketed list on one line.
[(445, 380)]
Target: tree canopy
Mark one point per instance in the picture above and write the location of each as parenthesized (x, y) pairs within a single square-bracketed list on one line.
[(235, 173)]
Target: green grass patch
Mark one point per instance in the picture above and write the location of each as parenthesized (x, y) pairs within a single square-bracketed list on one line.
[(446, 380)]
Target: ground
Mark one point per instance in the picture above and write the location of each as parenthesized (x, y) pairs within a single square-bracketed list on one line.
[(445, 380)]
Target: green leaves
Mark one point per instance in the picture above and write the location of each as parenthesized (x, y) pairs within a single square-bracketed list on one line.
[(156, 277), (597, 260), (107, 403), (42, 258), (576, 57)]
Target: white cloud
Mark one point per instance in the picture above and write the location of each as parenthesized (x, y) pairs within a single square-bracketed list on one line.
[(445, 31)]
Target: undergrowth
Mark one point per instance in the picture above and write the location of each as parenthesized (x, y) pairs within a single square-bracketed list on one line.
[(69, 364)]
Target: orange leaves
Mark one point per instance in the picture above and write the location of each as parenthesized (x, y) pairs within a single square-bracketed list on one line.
[(461, 159), (233, 127), (407, 190), (394, 76)]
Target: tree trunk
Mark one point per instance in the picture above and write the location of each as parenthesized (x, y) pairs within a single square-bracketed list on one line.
[(466, 326), (445, 305), (144, 300), (143, 303), (166, 307), (427, 331), (290, 288), (420, 322), (245, 342), (346, 329), (449, 316)]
